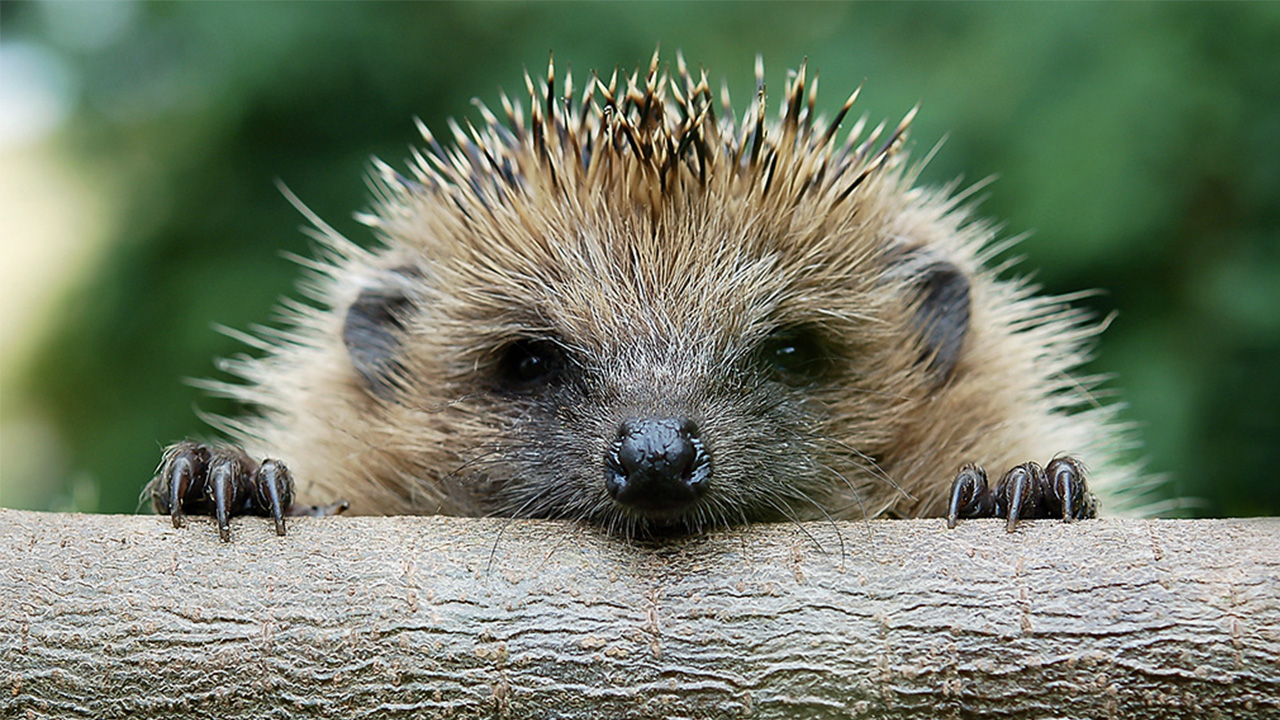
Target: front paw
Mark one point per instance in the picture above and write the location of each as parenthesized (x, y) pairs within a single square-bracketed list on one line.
[(1059, 490), (200, 479)]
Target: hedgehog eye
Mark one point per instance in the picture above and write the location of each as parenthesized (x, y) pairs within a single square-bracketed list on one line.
[(796, 355), (529, 363)]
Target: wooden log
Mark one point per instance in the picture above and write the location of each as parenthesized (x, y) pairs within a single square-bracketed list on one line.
[(124, 616)]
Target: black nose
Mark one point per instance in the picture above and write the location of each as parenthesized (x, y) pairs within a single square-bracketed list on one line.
[(657, 465)]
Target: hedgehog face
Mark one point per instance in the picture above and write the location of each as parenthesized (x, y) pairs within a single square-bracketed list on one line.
[(688, 428)]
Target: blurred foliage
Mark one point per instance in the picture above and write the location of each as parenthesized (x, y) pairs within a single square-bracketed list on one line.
[(1139, 143)]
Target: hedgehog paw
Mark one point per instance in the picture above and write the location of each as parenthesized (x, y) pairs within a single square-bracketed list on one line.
[(199, 479), (1026, 491)]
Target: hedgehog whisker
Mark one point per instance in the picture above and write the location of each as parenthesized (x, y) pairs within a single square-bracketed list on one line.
[(830, 520), (493, 550), (868, 463), (784, 508)]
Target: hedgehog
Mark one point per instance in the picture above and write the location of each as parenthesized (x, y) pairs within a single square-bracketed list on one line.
[(637, 310)]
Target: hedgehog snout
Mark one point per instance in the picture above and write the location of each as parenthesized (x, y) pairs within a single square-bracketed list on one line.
[(657, 465)]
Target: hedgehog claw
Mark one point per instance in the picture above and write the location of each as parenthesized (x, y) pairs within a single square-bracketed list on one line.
[(1018, 494), (970, 495), (273, 490)]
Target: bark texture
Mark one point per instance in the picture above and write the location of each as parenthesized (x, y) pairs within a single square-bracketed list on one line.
[(124, 616)]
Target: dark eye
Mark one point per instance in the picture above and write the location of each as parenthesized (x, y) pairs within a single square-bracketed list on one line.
[(796, 355), (529, 363)]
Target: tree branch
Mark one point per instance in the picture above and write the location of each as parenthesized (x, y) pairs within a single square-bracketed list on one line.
[(115, 616)]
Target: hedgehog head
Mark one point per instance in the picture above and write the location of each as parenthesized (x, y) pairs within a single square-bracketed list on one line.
[(638, 309)]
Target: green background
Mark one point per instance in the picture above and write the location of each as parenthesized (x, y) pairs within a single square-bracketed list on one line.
[(1138, 144)]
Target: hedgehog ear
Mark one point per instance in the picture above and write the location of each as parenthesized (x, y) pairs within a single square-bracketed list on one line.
[(942, 308), (372, 330), (942, 316)]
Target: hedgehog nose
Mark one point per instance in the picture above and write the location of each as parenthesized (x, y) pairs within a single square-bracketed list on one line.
[(657, 465)]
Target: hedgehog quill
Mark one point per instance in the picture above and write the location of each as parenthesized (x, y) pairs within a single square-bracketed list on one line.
[(638, 310)]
